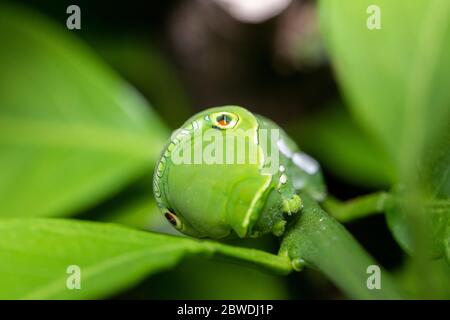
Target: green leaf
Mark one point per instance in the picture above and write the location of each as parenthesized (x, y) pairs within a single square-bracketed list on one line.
[(215, 281), (436, 166), (396, 78), (434, 205), (71, 132), (151, 72), (140, 212), (342, 147), (35, 255), (323, 243), (133, 207), (438, 279), (447, 243), (436, 216), (396, 82)]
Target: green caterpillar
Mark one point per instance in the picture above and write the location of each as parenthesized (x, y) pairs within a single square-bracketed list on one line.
[(217, 199)]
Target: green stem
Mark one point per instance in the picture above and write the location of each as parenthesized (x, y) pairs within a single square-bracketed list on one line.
[(323, 243), (358, 207), (274, 263)]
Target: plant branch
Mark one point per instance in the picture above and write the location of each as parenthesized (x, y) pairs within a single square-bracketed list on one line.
[(359, 207), (323, 243)]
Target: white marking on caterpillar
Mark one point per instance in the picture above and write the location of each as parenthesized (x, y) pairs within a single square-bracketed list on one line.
[(176, 137), (282, 168), (185, 132), (175, 134), (283, 179), (157, 190), (299, 183), (160, 169), (284, 149), (305, 162)]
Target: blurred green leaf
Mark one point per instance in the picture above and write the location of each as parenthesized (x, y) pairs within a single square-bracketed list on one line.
[(71, 132), (447, 244), (395, 78), (133, 207), (216, 280), (151, 72), (396, 218), (434, 173), (437, 211), (436, 166), (36, 253), (140, 213), (343, 147), (439, 278)]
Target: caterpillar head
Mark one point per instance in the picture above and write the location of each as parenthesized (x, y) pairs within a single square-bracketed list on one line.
[(208, 181)]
